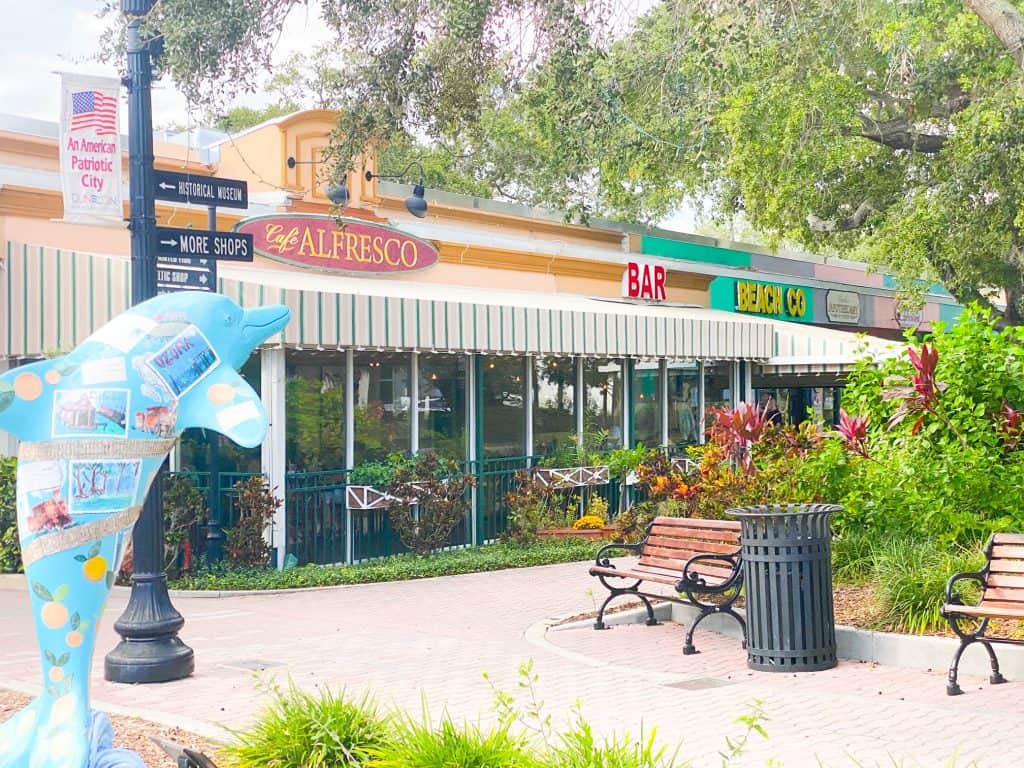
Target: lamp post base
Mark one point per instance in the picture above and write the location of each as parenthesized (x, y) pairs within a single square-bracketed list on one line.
[(150, 650)]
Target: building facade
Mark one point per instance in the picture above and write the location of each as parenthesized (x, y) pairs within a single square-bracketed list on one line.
[(488, 332)]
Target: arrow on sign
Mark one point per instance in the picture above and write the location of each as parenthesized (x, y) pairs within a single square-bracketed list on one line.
[(172, 243), (167, 186)]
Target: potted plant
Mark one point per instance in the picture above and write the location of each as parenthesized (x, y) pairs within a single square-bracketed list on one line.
[(592, 525), (367, 483)]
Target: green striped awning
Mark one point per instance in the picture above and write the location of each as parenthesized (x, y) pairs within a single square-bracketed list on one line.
[(53, 299)]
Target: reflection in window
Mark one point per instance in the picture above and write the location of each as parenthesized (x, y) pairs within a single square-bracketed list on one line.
[(382, 405), (683, 403), (315, 404), (602, 408), (554, 404), (204, 450), (646, 410), (503, 406), (717, 388), (442, 406)]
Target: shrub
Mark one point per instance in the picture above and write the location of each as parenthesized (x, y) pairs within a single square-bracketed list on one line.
[(912, 575), (10, 548), (10, 551), (379, 474), (184, 508), (423, 744), (311, 731), (434, 497), (579, 747), (244, 542), (589, 523)]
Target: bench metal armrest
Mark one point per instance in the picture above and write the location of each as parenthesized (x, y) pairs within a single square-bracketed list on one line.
[(952, 598), (602, 559), (692, 582)]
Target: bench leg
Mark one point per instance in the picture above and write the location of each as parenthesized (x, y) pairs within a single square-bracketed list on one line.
[(996, 677), (952, 687), (651, 621), (688, 647), (599, 623), (742, 623)]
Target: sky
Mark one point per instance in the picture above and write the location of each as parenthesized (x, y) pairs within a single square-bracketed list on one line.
[(34, 45)]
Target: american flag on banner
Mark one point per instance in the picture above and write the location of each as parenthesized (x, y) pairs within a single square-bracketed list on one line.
[(92, 109)]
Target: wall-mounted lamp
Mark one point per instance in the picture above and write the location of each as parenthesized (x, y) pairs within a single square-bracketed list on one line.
[(416, 203), (336, 193)]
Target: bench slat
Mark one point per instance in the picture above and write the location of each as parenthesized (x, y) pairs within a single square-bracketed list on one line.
[(678, 543), (991, 610), (677, 567), (709, 571), (1004, 594), (1001, 580), (696, 522), (704, 546), (1008, 538), (1008, 551), (701, 534), (657, 578), (1002, 565), (679, 553)]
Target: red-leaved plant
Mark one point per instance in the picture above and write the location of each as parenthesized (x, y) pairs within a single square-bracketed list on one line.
[(737, 429), (921, 397), (854, 431), (1011, 427)]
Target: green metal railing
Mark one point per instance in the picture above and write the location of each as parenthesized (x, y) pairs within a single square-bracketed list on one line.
[(316, 528), (496, 478)]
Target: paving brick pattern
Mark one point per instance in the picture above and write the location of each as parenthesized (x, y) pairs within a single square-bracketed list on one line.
[(435, 638)]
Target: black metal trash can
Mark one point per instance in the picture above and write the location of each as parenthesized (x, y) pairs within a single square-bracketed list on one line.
[(787, 574)]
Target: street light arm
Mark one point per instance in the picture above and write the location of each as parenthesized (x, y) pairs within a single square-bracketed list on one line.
[(370, 175)]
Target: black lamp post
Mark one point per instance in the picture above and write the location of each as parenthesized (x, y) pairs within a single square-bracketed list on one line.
[(416, 203), (150, 650)]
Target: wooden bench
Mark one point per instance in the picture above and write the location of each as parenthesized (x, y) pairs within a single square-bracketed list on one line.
[(1002, 597), (698, 558)]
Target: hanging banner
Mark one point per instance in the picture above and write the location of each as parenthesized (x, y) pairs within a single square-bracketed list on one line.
[(90, 147)]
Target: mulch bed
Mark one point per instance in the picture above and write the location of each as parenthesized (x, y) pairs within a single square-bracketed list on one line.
[(129, 732)]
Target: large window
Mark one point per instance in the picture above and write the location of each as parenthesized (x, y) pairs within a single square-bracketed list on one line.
[(683, 403), (503, 408), (602, 405), (208, 451), (646, 410), (717, 389), (554, 404), (442, 406), (315, 404), (382, 405)]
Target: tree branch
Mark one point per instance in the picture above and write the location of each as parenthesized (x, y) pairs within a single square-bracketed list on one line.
[(818, 224), (896, 134), (1006, 23)]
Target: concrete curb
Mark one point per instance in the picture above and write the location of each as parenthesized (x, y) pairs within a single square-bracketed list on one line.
[(886, 648)]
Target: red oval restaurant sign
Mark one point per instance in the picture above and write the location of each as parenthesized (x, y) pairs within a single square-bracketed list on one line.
[(337, 245)]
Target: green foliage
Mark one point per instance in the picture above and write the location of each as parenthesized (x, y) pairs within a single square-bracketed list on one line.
[(311, 731), (622, 461), (422, 743), (433, 498), (492, 557), (10, 548), (911, 576), (579, 453), (184, 507), (237, 119), (256, 504), (379, 474)]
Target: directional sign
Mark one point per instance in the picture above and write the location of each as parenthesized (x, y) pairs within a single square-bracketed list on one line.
[(200, 190), (177, 274), (203, 244)]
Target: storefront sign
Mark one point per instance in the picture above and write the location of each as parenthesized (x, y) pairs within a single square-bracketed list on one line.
[(90, 147), (783, 302), (843, 307), (337, 245), (643, 281)]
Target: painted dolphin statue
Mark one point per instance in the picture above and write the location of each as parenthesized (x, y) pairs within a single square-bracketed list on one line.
[(95, 426)]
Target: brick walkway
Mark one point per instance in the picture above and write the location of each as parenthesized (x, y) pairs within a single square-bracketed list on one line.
[(436, 637)]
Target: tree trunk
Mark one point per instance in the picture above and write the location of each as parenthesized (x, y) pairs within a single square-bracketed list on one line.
[(1006, 23)]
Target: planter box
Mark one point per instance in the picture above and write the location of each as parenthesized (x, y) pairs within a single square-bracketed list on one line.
[(596, 534), (572, 477)]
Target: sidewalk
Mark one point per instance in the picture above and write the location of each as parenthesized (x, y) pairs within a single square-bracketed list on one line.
[(436, 637)]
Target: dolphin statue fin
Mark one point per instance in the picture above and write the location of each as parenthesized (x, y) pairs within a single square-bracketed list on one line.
[(225, 403)]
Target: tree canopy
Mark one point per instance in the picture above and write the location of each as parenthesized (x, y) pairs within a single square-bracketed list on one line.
[(885, 130)]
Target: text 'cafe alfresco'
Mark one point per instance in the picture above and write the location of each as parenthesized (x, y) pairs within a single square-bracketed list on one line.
[(489, 333)]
